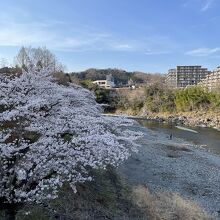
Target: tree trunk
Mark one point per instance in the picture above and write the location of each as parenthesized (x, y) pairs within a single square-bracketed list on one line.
[(10, 212)]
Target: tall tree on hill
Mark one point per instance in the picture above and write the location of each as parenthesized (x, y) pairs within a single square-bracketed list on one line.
[(39, 57)]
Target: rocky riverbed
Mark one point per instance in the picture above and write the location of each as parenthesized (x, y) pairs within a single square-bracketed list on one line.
[(176, 166), (192, 119)]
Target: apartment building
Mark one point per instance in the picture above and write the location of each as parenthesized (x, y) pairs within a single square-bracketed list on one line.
[(171, 78), (183, 76), (212, 80)]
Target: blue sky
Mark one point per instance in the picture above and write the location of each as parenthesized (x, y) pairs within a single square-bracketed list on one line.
[(144, 35)]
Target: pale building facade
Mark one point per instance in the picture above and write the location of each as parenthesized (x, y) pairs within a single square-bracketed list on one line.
[(183, 76), (212, 81), (172, 77), (107, 84)]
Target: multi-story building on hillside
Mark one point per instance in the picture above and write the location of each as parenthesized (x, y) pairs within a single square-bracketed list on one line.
[(212, 81), (171, 77), (183, 76), (108, 83)]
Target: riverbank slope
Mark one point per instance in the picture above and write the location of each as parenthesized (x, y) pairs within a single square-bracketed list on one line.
[(192, 119)]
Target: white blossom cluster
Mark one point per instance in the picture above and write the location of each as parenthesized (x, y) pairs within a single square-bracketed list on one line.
[(51, 134)]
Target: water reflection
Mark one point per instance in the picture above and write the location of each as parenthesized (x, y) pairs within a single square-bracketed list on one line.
[(205, 136)]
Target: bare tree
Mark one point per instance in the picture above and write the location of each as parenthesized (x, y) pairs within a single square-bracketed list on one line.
[(39, 57)]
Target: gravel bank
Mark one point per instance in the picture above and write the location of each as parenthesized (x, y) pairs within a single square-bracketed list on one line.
[(176, 166)]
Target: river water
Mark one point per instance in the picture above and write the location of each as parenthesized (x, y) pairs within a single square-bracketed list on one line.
[(208, 137), (179, 165)]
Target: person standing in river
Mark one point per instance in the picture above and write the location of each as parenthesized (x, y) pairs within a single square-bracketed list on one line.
[(171, 136)]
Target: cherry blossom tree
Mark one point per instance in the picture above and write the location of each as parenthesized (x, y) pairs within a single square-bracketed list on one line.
[(52, 134)]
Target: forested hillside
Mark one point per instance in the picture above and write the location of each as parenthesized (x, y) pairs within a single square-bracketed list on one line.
[(121, 77)]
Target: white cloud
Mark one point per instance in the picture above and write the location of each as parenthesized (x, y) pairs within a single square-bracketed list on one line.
[(18, 34), (204, 52), (59, 36), (18, 29), (204, 5), (123, 46), (156, 52), (71, 37)]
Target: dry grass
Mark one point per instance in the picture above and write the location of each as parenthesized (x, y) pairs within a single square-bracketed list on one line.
[(167, 206), (133, 95)]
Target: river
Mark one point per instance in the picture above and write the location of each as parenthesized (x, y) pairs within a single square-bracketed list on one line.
[(208, 137), (180, 165)]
